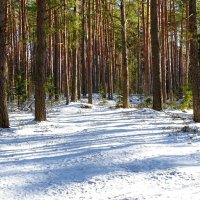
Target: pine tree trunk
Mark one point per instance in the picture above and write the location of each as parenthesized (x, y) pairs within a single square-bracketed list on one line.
[(23, 53), (124, 57), (66, 56), (83, 54), (139, 71), (11, 56), (145, 42), (181, 75), (187, 44), (75, 60), (155, 48), (89, 53), (4, 121), (56, 65), (163, 50), (40, 111), (194, 64)]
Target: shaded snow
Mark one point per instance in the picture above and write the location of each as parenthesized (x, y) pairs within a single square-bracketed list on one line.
[(99, 154)]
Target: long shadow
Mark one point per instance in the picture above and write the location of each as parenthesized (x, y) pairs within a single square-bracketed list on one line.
[(82, 155), (66, 175), (80, 144), (167, 162)]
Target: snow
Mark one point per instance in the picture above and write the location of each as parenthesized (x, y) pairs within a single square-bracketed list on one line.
[(100, 153)]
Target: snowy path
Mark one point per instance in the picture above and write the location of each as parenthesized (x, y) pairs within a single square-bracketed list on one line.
[(99, 154)]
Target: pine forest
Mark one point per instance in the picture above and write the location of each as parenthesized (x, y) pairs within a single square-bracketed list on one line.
[(76, 66)]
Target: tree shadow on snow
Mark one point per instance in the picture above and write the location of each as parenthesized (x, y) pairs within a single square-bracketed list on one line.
[(61, 160)]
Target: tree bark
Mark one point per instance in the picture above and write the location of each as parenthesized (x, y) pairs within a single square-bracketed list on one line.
[(83, 54), (124, 57), (194, 64), (155, 48), (4, 120), (89, 53), (40, 110), (75, 60), (56, 65)]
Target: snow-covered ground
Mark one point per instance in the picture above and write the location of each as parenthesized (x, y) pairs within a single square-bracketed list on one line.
[(100, 154)]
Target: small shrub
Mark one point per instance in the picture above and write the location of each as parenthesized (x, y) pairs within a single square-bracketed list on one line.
[(20, 89), (102, 92), (148, 100), (146, 103), (49, 87), (86, 106), (187, 101), (119, 105), (119, 101), (187, 129), (103, 102)]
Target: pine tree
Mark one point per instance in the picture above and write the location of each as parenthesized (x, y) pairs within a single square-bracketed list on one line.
[(4, 121), (124, 57), (90, 88), (40, 111), (194, 63), (155, 48)]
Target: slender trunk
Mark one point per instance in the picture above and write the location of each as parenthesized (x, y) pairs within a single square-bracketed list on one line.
[(75, 60), (89, 53), (40, 110), (155, 47), (84, 80), (163, 51), (194, 64), (66, 56), (56, 67), (4, 120), (124, 57)]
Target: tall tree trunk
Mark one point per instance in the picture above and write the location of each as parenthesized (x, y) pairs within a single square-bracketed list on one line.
[(75, 60), (49, 70), (56, 65), (66, 55), (89, 53), (11, 69), (4, 120), (168, 57), (145, 42), (187, 43), (194, 64), (23, 53), (83, 54), (155, 48), (40, 111), (124, 57), (139, 73), (181, 74), (163, 50)]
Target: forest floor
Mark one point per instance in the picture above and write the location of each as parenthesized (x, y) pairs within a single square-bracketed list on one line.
[(100, 153)]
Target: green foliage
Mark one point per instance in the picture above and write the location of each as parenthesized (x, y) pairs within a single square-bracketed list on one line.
[(103, 102), (171, 105), (20, 88), (117, 87), (119, 103), (133, 68), (49, 87), (187, 101), (146, 103), (198, 15), (102, 92)]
